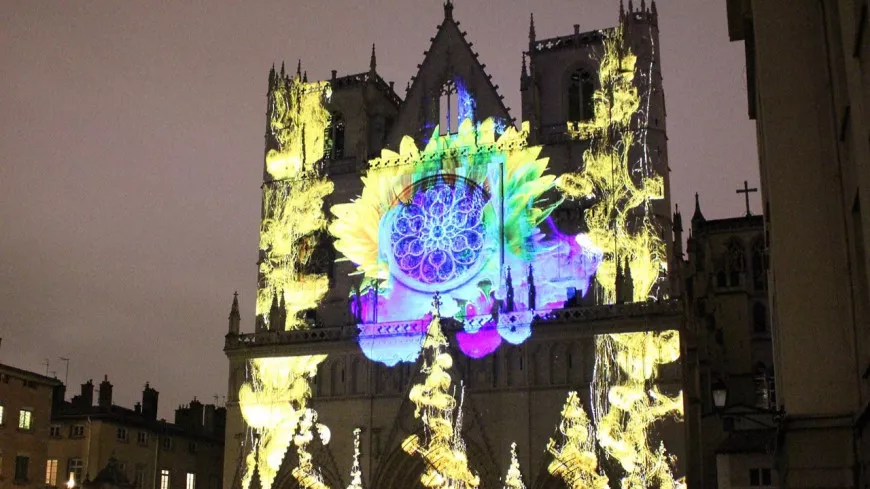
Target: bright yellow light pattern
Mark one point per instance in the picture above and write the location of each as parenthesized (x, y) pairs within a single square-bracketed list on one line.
[(355, 471), (468, 154), (293, 200), (514, 478), (444, 450), (306, 474), (619, 220), (574, 459), (298, 123), (629, 401), (273, 404)]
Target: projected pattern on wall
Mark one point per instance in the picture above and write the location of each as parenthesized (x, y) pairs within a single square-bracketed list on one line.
[(467, 216)]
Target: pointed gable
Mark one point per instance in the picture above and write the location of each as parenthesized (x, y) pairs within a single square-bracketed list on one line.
[(448, 59)]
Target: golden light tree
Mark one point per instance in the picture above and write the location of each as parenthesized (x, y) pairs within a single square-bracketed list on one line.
[(514, 477), (574, 458), (442, 449)]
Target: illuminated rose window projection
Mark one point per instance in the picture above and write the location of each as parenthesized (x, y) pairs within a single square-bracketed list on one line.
[(466, 217), (436, 238)]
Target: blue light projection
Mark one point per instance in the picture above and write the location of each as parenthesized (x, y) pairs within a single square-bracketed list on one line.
[(436, 239)]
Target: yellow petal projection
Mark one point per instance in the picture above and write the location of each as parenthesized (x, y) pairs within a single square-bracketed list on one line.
[(619, 220), (443, 449), (514, 478), (574, 458), (355, 472), (274, 406), (293, 195)]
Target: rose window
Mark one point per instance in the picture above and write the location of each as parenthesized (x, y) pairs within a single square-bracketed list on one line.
[(437, 235)]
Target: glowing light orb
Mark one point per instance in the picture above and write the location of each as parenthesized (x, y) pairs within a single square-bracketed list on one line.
[(480, 343), (437, 237)]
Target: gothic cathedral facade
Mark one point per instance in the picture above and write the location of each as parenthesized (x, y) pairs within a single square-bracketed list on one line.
[(542, 247)]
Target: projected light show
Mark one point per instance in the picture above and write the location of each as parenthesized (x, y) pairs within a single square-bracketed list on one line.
[(466, 217), (454, 250)]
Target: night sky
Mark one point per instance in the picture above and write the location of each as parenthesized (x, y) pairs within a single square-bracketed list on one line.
[(131, 138)]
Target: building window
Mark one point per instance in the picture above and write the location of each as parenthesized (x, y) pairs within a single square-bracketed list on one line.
[(1, 415), (164, 478), (166, 443), (759, 318), (75, 467), (580, 96), (25, 420), (54, 431), (736, 263), (77, 431), (759, 477), (139, 477), (759, 267), (51, 472), (448, 108), (122, 435), (191, 481), (142, 438), (22, 464), (334, 138)]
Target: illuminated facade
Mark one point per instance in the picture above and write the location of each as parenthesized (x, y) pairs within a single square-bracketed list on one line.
[(544, 243)]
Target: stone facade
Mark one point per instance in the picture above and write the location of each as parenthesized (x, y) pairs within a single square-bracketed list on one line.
[(516, 393), (25, 417), (808, 82), (150, 453)]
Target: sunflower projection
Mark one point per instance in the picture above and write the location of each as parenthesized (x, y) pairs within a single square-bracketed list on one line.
[(274, 405), (467, 216), (619, 187), (293, 192)]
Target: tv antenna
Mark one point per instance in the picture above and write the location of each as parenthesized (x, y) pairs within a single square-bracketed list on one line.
[(66, 376)]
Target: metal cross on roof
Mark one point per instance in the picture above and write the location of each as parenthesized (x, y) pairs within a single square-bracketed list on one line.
[(746, 191)]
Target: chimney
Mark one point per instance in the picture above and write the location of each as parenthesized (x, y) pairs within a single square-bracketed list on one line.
[(58, 396), (87, 396), (149, 402), (105, 399), (196, 412), (208, 419)]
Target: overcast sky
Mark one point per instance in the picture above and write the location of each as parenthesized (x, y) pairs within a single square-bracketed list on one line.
[(131, 138)]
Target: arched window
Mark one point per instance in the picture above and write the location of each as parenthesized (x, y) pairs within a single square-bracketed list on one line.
[(581, 88), (759, 268), (736, 262), (333, 140), (448, 108), (759, 318)]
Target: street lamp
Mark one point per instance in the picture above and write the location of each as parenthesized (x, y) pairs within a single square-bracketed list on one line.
[(720, 394), (71, 483)]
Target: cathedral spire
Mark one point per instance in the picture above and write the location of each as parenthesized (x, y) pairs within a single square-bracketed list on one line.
[(630, 6), (697, 216), (373, 62), (235, 317), (524, 75), (299, 68), (531, 31), (621, 11)]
